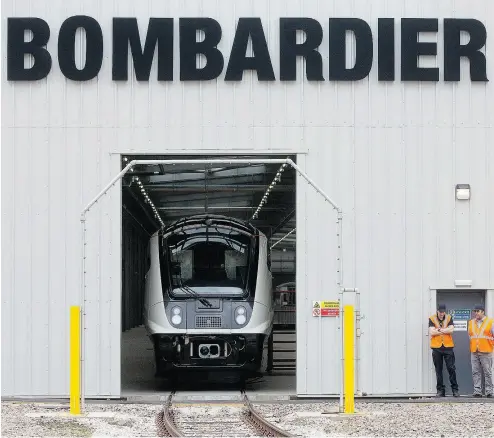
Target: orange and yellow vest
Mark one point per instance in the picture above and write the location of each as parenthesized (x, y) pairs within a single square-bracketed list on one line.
[(481, 338), (439, 340)]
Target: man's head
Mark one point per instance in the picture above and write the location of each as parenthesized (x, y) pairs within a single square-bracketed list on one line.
[(479, 311), (441, 310)]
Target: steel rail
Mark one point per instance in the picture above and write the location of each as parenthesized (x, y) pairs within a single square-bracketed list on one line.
[(261, 423), (165, 422)]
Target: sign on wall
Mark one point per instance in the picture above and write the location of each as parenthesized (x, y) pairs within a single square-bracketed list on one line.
[(160, 36), (326, 308), (461, 318)]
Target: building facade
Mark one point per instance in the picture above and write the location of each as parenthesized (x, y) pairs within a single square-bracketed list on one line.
[(386, 136)]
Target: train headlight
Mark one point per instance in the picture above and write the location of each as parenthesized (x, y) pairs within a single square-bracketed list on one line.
[(240, 315), (240, 319), (176, 317)]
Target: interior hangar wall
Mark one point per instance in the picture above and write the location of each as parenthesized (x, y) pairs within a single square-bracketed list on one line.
[(389, 153)]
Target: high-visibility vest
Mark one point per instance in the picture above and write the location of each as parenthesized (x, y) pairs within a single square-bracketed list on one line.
[(481, 338), (438, 340)]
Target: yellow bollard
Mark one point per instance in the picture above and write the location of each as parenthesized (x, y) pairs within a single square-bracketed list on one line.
[(75, 351), (349, 341)]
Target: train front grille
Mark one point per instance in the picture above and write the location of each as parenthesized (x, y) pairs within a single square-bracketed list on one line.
[(208, 321)]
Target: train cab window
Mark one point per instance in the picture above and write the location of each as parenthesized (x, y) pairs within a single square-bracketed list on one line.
[(209, 262)]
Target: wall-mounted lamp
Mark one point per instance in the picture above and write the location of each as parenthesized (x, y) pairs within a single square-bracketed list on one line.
[(463, 283), (462, 192)]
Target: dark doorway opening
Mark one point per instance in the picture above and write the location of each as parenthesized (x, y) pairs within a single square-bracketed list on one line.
[(166, 193), (460, 304)]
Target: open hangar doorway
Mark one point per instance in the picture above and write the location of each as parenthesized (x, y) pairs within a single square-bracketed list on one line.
[(158, 195)]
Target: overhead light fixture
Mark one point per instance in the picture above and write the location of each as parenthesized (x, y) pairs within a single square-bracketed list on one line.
[(271, 186), (462, 192), (148, 200)]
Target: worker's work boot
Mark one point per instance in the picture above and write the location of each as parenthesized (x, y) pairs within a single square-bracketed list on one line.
[(456, 393), (441, 393)]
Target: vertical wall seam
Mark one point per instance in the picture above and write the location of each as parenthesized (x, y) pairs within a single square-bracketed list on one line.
[(102, 294), (13, 291), (30, 246), (405, 270), (48, 188)]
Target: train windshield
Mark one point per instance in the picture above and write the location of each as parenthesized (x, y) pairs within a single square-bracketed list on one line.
[(209, 261)]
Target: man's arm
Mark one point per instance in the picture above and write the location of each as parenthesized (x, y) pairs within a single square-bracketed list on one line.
[(450, 328), (432, 329)]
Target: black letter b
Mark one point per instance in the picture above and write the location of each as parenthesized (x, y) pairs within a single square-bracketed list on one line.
[(17, 48)]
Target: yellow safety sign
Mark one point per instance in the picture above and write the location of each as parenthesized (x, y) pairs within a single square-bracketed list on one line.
[(330, 304), (325, 308)]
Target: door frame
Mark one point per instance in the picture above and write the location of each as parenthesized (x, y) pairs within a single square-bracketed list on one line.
[(116, 160), (489, 311)]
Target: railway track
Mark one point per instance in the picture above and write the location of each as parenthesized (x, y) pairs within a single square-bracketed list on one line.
[(236, 420)]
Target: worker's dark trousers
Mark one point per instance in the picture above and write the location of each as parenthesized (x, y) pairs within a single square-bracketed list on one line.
[(449, 357)]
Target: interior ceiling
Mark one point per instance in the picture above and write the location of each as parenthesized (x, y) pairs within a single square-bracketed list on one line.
[(233, 190)]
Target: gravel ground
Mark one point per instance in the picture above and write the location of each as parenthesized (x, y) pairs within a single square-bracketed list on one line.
[(384, 419), (304, 419), (127, 421)]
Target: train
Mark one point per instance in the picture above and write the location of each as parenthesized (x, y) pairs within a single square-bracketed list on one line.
[(209, 303)]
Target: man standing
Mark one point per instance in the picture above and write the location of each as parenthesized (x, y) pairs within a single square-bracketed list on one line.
[(481, 334), (440, 328)]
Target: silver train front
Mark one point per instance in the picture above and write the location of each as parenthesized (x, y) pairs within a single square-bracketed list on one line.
[(223, 333)]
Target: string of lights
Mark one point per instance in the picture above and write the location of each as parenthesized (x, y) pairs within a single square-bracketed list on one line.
[(148, 200), (264, 199)]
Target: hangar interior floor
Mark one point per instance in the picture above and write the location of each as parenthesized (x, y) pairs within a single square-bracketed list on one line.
[(140, 385)]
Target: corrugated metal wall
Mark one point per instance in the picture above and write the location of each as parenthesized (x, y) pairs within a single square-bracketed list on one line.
[(135, 264), (389, 153), (283, 262)]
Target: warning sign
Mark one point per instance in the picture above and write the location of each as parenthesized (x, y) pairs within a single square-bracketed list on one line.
[(330, 312), (326, 308), (330, 304), (330, 308)]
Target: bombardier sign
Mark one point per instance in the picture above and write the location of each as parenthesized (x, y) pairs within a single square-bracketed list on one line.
[(159, 48)]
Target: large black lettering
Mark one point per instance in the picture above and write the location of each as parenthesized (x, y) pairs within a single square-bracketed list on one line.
[(411, 49), (261, 61), (94, 48), (126, 33), (190, 48), (289, 49), (386, 49), (338, 27), (17, 48), (453, 50)]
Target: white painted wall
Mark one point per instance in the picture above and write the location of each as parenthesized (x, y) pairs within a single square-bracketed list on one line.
[(390, 154)]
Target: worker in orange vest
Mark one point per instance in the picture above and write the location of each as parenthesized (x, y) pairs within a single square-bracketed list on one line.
[(481, 334), (441, 327)]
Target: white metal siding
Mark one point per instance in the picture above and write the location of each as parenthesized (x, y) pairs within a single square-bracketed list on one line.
[(389, 154)]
